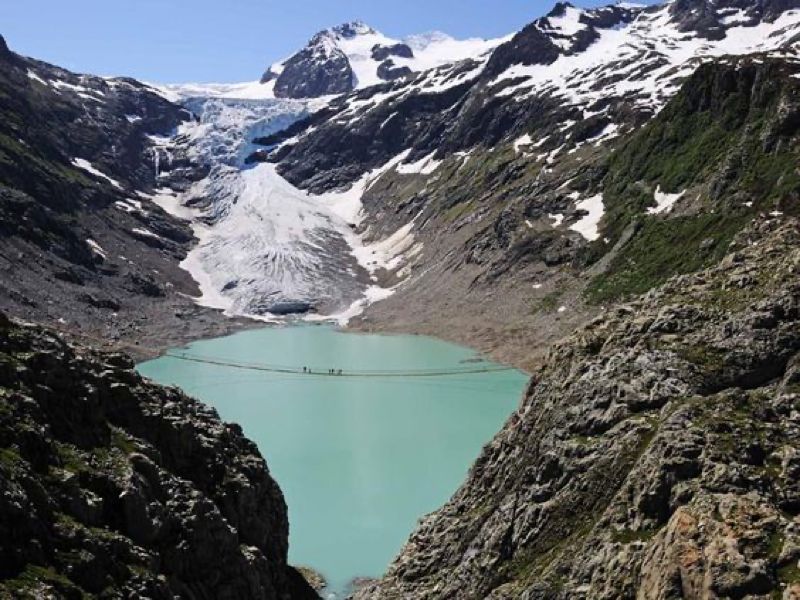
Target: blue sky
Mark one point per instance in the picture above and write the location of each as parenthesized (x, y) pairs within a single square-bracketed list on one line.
[(227, 40)]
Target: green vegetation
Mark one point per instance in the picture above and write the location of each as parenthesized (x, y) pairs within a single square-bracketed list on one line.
[(789, 574), (68, 522), (727, 146), (5, 406), (32, 581), (455, 212), (706, 357), (71, 458), (13, 153), (9, 459), (660, 249), (121, 441), (776, 540), (583, 440), (548, 303), (628, 536)]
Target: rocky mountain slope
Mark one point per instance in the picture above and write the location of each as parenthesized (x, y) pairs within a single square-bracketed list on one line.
[(655, 455), (633, 168), (111, 486), (83, 245), (552, 245), (514, 193)]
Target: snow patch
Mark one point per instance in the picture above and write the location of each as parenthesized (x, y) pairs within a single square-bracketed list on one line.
[(34, 77), (129, 205), (147, 233), (89, 168), (388, 253), (524, 140), (424, 166), (588, 226), (96, 248), (609, 131), (567, 24), (664, 202)]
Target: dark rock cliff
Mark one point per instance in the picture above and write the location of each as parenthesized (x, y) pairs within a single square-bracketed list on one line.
[(111, 486), (315, 71), (322, 68)]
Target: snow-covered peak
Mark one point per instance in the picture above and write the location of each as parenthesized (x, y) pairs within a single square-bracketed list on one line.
[(352, 29), (341, 33), (356, 56)]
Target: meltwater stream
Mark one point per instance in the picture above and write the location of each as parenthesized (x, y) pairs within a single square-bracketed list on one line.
[(359, 459)]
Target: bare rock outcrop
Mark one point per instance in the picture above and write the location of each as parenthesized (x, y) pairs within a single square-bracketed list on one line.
[(655, 456), (111, 486)]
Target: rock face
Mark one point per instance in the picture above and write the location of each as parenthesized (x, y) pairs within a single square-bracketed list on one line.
[(712, 19), (381, 53), (322, 68), (82, 243), (654, 456), (319, 69), (113, 486)]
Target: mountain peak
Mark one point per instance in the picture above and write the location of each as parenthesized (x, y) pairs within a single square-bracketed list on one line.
[(354, 55), (353, 29), (560, 9)]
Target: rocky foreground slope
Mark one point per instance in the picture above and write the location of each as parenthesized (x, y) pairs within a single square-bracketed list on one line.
[(656, 455), (113, 487)]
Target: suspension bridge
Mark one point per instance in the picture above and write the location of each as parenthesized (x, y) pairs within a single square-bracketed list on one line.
[(330, 372), (471, 369)]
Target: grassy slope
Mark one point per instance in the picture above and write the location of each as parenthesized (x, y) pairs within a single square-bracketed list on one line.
[(730, 138)]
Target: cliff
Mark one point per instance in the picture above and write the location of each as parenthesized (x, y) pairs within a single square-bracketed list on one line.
[(111, 486), (656, 454)]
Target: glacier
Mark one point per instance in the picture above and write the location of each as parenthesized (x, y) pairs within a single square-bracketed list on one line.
[(267, 249)]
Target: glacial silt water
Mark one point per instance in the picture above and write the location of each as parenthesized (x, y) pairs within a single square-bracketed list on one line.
[(359, 459)]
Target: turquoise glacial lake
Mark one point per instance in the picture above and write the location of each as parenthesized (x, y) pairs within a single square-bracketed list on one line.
[(359, 459)]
